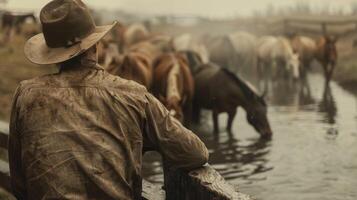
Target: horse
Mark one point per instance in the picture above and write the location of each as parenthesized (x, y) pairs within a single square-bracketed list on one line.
[(131, 65), (306, 48), (174, 86), (192, 58), (222, 51), (277, 53), (323, 50), (14, 20), (327, 55), (186, 42), (221, 91), (244, 45), (11, 23), (135, 33)]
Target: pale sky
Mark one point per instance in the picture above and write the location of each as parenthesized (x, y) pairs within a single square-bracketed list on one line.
[(211, 8)]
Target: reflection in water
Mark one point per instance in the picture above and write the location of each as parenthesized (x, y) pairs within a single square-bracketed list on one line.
[(238, 159), (295, 95), (328, 106)]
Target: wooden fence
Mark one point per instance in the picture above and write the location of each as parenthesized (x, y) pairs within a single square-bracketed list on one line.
[(202, 184), (320, 25)]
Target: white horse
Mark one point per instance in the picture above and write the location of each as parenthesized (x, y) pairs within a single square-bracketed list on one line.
[(244, 45), (277, 55)]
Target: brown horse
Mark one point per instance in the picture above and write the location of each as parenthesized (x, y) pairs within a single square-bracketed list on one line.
[(14, 20), (11, 23), (327, 55), (306, 48), (174, 86), (323, 50), (221, 91), (131, 65)]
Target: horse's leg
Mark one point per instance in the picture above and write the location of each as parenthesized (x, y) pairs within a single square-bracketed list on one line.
[(215, 121), (303, 69), (188, 114), (259, 68), (196, 111), (326, 72), (231, 116), (332, 68)]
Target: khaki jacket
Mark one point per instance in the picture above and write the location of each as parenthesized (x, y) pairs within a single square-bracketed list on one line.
[(80, 134)]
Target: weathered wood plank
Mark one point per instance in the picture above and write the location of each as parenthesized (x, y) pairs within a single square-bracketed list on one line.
[(202, 184)]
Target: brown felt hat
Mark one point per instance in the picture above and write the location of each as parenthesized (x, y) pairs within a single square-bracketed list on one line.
[(68, 31)]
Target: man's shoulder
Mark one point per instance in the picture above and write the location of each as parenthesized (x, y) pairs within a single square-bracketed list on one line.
[(39, 81), (125, 86)]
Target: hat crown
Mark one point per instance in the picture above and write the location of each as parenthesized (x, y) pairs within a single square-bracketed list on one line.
[(66, 22)]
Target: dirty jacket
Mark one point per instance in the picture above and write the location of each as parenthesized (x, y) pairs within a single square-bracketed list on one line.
[(80, 134)]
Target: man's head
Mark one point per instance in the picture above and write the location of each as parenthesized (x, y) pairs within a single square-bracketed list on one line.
[(68, 31)]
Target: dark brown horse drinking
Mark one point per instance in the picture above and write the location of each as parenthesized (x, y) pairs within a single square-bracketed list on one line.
[(174, 86), (327, 55), (221, 91)]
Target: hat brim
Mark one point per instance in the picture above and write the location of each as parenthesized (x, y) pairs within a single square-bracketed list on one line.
[(37, 51)]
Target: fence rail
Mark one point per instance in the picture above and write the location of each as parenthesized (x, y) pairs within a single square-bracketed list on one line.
[(201, 184), (335, 25)]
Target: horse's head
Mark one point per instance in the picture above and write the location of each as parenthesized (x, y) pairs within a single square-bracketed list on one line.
[(330, 49), (257, 117), (174, 106)]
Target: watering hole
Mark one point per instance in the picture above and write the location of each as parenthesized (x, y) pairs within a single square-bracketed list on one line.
[(312, 155)]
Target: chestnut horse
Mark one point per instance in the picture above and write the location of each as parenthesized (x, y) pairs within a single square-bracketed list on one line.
[(132, 65), (306, 48), (174, 86), (323, 50), (221, 91), (326, 54)]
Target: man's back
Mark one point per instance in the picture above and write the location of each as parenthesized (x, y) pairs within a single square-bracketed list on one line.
[(80, 134)]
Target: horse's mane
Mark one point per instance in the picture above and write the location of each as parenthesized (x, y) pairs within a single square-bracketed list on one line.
[(247, 88)]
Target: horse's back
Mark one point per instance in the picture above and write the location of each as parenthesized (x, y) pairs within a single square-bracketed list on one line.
[(243, 41), (266, 46), (305, 47), (135, 33)]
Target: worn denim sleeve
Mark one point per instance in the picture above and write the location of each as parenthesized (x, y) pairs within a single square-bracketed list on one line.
[(179, 147), (16, 173)]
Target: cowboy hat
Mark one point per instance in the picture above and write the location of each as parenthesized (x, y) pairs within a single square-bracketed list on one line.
[(68, 31)]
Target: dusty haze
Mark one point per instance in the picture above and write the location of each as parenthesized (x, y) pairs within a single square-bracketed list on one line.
[(208, 8)]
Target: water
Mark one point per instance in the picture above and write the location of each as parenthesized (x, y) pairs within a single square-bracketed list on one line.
[(313, 153)]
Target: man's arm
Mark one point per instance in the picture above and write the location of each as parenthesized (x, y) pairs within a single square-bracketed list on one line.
[(179, 146), (16, 174)]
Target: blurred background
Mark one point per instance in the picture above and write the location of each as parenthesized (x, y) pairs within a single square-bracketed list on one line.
[(313, 115)]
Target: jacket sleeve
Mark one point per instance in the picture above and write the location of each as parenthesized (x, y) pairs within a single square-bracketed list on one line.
[(179, 147), (17, 177)]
